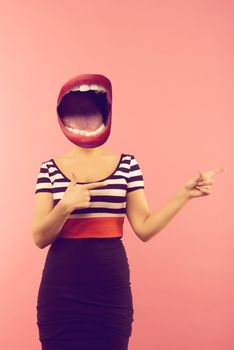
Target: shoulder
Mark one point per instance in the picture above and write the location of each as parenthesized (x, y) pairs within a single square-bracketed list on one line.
[(46, 166), (126, 158), (128, 155), (46, 163), (131, 157)]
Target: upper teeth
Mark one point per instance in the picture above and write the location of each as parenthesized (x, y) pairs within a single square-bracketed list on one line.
[(86, 87), (86, 133)]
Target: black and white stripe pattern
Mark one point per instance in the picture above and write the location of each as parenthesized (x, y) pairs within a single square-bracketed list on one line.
[(105, 201)]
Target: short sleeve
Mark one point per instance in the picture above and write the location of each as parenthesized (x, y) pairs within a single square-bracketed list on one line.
[(43, 183), (135, 179)]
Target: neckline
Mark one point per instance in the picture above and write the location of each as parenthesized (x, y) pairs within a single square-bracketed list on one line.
[(88, 182)]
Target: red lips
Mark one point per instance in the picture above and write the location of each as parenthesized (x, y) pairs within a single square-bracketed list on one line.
[(91, 80)]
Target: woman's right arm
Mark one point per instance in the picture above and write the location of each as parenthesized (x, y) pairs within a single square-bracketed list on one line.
[(48, 220)]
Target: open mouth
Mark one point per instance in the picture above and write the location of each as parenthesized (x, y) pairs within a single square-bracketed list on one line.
[(85, 109)]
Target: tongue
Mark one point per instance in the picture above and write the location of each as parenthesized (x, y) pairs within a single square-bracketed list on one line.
[(88, 122)]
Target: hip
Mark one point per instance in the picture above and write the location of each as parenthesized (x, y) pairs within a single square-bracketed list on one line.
[(90, 261)]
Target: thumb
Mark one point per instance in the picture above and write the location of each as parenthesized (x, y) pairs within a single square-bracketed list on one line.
[(73, 180), (199, 176)]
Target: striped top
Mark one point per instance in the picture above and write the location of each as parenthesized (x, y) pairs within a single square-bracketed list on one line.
[(105, 216)]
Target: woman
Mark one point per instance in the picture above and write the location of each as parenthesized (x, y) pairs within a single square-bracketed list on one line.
[(84, 299)]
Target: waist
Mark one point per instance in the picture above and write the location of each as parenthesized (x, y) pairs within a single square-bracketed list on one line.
[(96, 227)]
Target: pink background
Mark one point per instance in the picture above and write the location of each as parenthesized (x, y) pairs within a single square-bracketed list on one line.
[(171, 66)]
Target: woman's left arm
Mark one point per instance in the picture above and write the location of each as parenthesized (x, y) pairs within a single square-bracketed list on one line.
[(146, 224)]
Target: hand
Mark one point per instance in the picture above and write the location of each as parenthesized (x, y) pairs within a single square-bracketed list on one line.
[(200, 185), (77, 196)]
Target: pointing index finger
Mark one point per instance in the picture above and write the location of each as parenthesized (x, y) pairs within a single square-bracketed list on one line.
[(215, 171), (219, 170)]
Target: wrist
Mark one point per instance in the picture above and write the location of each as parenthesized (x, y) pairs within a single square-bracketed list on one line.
[(183, 195), (65, 207)]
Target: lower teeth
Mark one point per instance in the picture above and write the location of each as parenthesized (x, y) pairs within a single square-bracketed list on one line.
[(86, 133)]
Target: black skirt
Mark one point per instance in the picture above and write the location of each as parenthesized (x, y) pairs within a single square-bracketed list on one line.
[(84, 299)]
